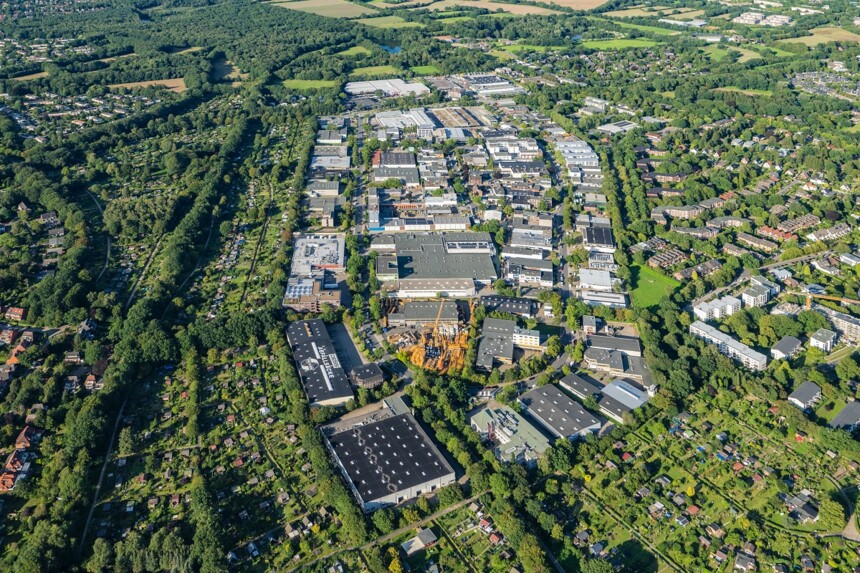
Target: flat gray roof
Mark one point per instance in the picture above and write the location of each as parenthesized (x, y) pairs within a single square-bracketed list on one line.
[(557, 412)]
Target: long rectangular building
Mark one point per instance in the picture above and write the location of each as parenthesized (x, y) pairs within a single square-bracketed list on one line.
[(729, 346), (322, 376)]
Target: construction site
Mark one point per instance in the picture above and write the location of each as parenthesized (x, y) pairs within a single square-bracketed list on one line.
[(433, 334)]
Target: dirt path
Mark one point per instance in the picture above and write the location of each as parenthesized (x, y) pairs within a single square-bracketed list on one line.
[(107, 249), (142, 273), (101, 477)]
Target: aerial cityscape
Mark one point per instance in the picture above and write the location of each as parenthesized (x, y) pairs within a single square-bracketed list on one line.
[(436, 286)]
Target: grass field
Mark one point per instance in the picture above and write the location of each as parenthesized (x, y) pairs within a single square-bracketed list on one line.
[(650, 286), (718, 53), (518, 9), (502, 55), (619, 44), (824, 35), (425, 70), (330, 8), (355, 51), (373, 71), (176, 85), (736, 89), (310, 84), (389, 22), (35, 76)]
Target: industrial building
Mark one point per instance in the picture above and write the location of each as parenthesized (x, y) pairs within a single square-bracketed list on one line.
[(499, 338), (559, 414), (525, 307), (322, 376), (386, 457), (514, 439), (312, 281), (390, 88), (448, 264), (424, 314)]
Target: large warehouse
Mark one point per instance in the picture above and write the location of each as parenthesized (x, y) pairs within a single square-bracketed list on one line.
[(323, 378), (386, 456), (446, 264)]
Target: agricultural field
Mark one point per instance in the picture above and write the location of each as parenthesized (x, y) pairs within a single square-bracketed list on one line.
[(515, 9), (175, 85), (823, 35), (389, 22), (643, 28), (310, 84), (618, 44), (374, 71), (330, 8), (656, 11), (650, 286)]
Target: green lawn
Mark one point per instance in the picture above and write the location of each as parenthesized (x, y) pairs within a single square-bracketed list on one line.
[(649, 286), (425, 70), (619, 44), (373, 71), (310, 84), (355, 51), (389, 22)]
